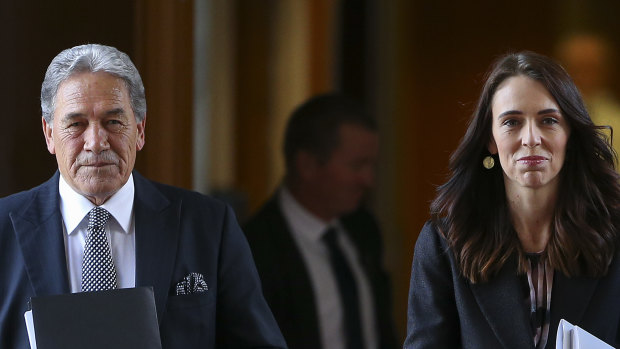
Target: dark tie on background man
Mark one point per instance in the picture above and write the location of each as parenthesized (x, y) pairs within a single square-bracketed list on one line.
[(348, 290), (98, 272)]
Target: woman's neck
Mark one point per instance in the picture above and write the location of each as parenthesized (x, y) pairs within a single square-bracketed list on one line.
[(532, 213)]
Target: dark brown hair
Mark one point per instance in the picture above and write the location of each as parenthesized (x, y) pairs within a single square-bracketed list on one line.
[(314, 126), (471, 211)]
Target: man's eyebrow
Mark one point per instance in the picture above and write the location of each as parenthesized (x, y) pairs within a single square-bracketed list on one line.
[(72, 115), (116, 111), (75, 115)]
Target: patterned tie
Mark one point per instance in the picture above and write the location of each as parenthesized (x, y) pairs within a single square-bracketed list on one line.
[(348, 291), (98, 272)]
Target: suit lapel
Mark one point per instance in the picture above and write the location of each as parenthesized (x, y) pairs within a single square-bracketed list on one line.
[(569, 300), (364, 232), (500, 301), (157, 223), (38, 228), (296, 273)]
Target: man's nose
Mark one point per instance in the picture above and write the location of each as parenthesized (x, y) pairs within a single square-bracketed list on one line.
[(531, 135), (96, 138)]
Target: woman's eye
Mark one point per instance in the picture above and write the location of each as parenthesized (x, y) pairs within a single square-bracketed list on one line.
[(550, 121), (510, 122)]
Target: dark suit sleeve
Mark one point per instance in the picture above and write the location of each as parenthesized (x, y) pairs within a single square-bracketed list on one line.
[(618, 336), (432, 319), (243, 317)]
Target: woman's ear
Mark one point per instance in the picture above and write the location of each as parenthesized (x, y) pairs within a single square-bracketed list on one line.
[(492, 147)]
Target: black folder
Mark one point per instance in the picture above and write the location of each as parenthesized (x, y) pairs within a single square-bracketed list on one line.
[(122, 318)]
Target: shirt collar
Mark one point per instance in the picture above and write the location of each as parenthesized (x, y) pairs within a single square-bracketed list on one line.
[(306, 223), (74, 206)]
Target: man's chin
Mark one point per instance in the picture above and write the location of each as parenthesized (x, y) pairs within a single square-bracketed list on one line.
[(91, 175), (99, 185), (102, 187), (352, 207)]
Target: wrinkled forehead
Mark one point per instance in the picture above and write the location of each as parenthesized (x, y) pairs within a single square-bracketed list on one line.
[(88, 92), (92, 84)]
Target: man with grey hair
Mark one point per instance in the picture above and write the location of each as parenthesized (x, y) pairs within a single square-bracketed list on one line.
[(97, 224)]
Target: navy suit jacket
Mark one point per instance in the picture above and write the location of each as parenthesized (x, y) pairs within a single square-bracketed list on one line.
[(177, 232), (447, 311), (286, 282)]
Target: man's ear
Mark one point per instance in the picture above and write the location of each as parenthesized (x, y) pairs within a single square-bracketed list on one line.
[(140, 140), (307, 165), (49, 137)]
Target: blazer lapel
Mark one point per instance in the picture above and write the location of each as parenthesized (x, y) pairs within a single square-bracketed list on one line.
[(38, 228), (500, 301), (157, 223), (569, 300), (295, 273)]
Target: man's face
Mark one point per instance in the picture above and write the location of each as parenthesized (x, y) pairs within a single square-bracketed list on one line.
[(94, 134), (340, 183)]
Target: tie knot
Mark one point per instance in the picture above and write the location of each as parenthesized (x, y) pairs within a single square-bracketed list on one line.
[(98, 217)]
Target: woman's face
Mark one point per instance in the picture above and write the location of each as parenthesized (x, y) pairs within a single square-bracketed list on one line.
[(529, 133)]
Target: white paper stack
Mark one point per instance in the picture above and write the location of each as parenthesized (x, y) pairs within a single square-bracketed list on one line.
[(575, 337)]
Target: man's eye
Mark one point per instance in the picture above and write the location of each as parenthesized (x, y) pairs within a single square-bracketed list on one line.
[(114, 122)]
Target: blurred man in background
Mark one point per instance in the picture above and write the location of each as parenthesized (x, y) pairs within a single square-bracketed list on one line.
[(317, 250)]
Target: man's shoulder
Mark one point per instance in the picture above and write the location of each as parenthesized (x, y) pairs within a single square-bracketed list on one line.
[(172, 192), (268, 215), (17, 199), (267, 230), (20, 199), (270, 239), (149, 191)]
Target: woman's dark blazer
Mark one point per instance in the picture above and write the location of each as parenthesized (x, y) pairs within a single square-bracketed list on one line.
[(447, 311)]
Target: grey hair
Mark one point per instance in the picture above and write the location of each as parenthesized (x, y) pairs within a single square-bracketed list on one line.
[(92, 58)]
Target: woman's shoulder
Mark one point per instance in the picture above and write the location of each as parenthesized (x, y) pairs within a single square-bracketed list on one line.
[(614, 267), (432, 230), (431, 242)]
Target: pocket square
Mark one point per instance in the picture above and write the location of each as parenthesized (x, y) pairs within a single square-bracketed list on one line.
[(192, 283)]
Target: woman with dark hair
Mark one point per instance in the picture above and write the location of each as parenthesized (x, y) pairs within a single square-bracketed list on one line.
[(527, 229)]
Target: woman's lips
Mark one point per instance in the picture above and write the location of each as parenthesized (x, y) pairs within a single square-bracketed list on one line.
[(532, 160)]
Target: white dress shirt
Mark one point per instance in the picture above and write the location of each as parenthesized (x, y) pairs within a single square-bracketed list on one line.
[(307, 231), (120, 230)]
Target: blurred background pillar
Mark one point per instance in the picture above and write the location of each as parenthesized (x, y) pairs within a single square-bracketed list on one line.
[(164, 56)]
